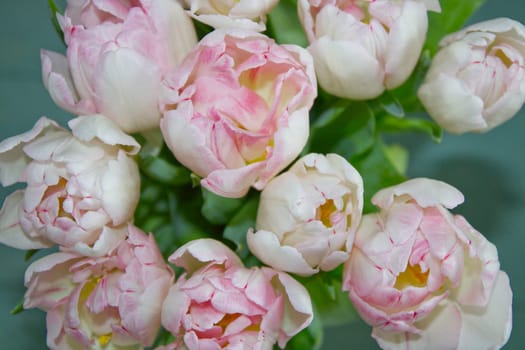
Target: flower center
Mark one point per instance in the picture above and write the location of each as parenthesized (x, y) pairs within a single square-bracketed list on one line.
[(412, 276), (325, 211), (104, 339)]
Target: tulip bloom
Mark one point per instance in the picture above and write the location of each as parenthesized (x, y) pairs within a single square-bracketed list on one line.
[(246, 14), (425, 279), (477, 80), (109, 302), (236, 109), (362, 47), (117, 55), (220, 304), (81, 187), (308, 215)]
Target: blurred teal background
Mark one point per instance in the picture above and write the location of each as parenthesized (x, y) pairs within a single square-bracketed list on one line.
[(489, 169)]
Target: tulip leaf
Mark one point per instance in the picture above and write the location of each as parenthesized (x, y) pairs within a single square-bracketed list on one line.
[(164, 171), (332, 305), (217, 209), (378, 171), (54, 9), (236, 229), (389, 123), (346, 128), (30, 253), (454, 14), (17, 309), (388, 103), (283, 24)]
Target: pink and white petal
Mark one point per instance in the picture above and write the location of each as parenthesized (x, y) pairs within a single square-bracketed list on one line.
[(127, 86), (265, 245), (426, 192), (188, 141), (96, 126), (443, 91), (439, 331), (363, 79), (13, 161), (49, 281), (488, 327), (233, 183), (278, 209), (406, 38), (120, 189), (11, 232), (109, 239), (58, 81), (174, 307), (201, 252), (289, 140), (298, 305)]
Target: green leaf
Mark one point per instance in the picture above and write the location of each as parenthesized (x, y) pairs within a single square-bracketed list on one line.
[(332, 305), (392, 124), (377, 171), (454, 14), (54, 9), (17, 309), (30, 253), (283, 24), (219, 210), (398, 156), (389, 103), (346, 128), (163, 171), (236, 229)]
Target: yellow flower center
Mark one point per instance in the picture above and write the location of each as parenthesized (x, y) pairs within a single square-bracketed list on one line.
[(325, 211), (412, 276), (104, 339)]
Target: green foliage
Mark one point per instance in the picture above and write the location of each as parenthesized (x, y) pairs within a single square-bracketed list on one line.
[(17, 309), (377, 171), (332, 306), (53, 10), (219, 210), (454, 14), (283, 24), (236, 229)]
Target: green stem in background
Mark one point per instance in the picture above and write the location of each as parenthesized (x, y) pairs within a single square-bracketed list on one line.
[(54, 9)]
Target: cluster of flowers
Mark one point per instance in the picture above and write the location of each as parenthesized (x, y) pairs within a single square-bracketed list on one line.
[(234, 109)]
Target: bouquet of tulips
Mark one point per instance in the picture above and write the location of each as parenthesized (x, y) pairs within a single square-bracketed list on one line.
[(225, 181)]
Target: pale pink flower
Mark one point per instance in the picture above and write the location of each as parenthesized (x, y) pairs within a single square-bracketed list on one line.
[(108, 302), (236, 109), (81, 186), (220, 304), (308, 215), (246, 14), (476, 81), (425, 279), (362, 47), (118, 52)]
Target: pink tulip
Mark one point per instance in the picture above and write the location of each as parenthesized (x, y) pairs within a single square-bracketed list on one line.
[(82, 188), (425, 279), (360, 48), (118, 52), (477, 80), (308, 215), (246, 14), (236, 109), (109, 302), (220, 304)]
